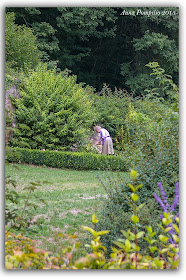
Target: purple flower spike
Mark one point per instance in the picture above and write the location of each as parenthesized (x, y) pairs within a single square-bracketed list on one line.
[(176, 198), (163, 194), (158, 199), (166, 206)]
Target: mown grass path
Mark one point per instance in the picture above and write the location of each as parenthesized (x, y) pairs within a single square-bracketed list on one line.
[(71, 196)]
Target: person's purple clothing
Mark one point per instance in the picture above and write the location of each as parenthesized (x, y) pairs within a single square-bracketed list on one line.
[(103, 135)]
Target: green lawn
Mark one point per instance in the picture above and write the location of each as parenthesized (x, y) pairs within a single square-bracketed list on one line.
[(72, 197)]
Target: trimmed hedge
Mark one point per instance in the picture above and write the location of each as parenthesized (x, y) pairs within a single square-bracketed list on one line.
[(73, 160)]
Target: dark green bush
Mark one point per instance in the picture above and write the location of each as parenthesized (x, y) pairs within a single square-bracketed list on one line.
[(74, 160)]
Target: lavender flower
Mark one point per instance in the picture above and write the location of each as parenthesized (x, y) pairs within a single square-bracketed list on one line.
[(158, 199), (176, 198), (163, 194), (166, 206)]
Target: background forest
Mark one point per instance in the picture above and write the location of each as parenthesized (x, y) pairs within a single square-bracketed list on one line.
[(100, 45), (74, 68)]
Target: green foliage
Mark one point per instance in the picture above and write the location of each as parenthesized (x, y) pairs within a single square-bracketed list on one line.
[(16, 218), (53, 112), (21, 49), (101, 45), (115, 214), (167, 89), (149, 143), (111, 107), (12, 196), (155, 39), (21, 252), (47, 41), (74, 160), (81, 25), (160, 46)]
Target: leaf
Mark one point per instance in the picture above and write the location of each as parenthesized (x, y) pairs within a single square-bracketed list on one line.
[(135, 219), (149, 229), (134, 174), (159, 263), (140, 234), (153, 249), (163, 238), (94, 220), (140, 206), (120, 245), (131, 187), (164, 250), (103, 232), (148, 240), (129, 235), (134, 197), (168, 229), (136, 248), (125, 233), (139, 186), (127, 244), (176, 228), (176, 238), (89, 229)]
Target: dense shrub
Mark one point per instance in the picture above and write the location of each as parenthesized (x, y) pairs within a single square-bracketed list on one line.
[(115, 213), (149, 143), (111, 107), (74, 160), (54, 112)]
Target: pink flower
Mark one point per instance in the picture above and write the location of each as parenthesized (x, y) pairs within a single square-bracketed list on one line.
[(43, 149)]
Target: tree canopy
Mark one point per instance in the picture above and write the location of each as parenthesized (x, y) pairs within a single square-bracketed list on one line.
[(104, 45)]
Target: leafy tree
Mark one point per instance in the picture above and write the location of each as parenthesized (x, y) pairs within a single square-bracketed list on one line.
[(20, 46), (155, 39), (39, 19), (165, 88), (100, 45)]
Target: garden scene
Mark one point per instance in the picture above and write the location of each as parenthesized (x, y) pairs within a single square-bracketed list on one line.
[(91, 138)]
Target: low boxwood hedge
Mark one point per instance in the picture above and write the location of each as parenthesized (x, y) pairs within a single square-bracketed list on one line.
[(73, 160)]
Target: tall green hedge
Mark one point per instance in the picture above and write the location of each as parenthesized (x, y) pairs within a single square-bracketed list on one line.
[(74, 160)]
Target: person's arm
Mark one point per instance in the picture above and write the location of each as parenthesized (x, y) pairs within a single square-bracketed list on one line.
[(102, 137)]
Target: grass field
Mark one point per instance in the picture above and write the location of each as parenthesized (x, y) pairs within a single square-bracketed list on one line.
[(71, 196)]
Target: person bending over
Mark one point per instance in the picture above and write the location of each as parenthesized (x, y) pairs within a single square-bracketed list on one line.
[(105, 140)]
